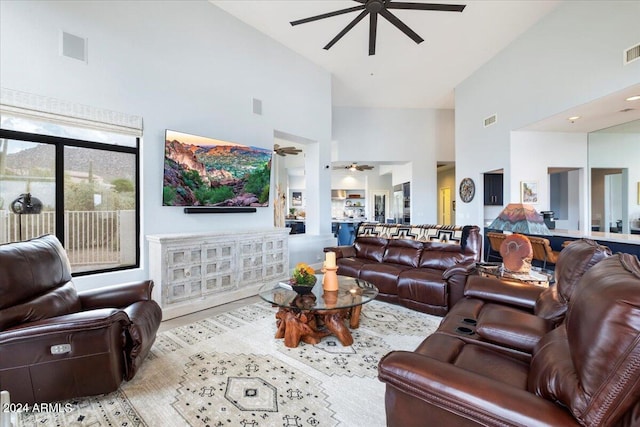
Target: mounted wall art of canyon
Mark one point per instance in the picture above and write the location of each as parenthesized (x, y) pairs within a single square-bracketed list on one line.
[(201, 171)]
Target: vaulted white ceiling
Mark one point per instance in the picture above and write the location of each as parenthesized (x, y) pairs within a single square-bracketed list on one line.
[(402, 74)]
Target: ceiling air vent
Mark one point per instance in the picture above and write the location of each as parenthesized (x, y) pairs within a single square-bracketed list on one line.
[(631, 54), (490, 120)]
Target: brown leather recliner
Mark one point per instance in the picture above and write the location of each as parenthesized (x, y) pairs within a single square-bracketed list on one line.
[(56, 343), (584, 372), (512, 316)]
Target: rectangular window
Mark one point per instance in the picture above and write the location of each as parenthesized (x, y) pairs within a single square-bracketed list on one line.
[(87, 186)]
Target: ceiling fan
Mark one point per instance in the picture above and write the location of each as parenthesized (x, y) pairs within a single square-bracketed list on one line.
[(354, 167), (373, 8), (283, 151)]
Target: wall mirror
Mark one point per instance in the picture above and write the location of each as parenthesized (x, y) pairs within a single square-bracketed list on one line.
[(614, 174)]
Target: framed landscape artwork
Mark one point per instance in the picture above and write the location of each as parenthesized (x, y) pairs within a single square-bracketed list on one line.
[(296, 198), (529, 192)]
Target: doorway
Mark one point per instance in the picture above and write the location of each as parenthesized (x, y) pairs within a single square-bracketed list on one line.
[(565, 199), (380, 205), (609, 200), (444, 214)]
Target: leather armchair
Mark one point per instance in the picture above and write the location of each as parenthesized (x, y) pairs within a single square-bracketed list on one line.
[(513, 316), (57, 343), (584, 372)]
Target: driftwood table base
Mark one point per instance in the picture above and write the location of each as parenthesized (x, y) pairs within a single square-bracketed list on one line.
[(310, 326)]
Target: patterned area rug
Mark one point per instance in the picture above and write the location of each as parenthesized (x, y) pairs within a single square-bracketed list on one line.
[(229, 370)]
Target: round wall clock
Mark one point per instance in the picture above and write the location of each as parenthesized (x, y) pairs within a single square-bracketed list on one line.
[(467, 190)]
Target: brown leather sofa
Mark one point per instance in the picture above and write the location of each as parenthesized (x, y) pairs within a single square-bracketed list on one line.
[(56, 343), (584, 372), (512, 316), (423, 267)]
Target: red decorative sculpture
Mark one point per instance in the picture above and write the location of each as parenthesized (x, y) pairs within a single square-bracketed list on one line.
[(517, 253)]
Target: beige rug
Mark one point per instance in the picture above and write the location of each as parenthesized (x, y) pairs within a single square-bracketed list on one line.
[(228, 370)]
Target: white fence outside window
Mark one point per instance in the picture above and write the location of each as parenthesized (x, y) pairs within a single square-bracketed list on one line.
[(92, 239)]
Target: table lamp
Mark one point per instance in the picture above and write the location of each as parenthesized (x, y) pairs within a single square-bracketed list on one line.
[(520, 218)]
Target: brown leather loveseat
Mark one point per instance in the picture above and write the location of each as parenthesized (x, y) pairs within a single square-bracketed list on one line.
[(423, 267), (56, 343), (584, 372)]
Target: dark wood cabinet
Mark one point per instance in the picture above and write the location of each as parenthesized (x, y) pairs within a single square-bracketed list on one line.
[(493, 189)]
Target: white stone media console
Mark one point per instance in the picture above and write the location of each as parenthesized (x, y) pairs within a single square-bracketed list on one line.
[(193, 272)]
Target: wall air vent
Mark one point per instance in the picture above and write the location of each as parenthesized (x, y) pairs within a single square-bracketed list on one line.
[(72, 46), (631, 54), (490, 120), (257, 106)]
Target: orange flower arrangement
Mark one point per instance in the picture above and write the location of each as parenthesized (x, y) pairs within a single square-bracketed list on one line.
[(303, 275)]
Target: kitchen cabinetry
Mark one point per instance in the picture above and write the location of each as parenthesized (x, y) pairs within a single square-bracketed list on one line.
[(355, 207), (192, 272), (493, 184), (354, 204)]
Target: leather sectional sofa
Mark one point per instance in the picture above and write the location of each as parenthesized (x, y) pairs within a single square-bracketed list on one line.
[(56, 343), (424, 267), (565, 356)]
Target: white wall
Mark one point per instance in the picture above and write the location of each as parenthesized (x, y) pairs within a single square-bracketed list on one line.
[(401, 173), (572, 56), (415, 136), (533, 153), (186, 66), (346, 180)]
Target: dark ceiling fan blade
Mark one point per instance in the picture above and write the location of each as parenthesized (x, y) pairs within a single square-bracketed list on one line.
[(426, 6), (346, 29), (401, 26), (327, 15), (373, 28), (283, 151)]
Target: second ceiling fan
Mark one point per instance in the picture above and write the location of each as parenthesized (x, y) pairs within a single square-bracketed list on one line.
[(373, 8), (354, 167)]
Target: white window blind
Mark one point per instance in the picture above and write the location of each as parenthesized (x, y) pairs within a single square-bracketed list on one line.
[(38, 107)]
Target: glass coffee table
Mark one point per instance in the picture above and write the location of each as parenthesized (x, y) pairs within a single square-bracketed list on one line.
[(310, 317)]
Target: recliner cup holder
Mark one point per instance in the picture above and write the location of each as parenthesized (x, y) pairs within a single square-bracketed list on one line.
[(464, 330), (470, 321)]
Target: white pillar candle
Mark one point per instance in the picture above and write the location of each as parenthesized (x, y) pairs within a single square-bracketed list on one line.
[(330, 260)]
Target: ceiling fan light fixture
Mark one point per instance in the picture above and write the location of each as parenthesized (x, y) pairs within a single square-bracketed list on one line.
[(283, 151), (573, 118), (373, 8)]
